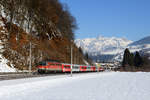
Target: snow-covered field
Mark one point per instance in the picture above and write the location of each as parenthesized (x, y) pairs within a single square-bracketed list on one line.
[(93, 86)]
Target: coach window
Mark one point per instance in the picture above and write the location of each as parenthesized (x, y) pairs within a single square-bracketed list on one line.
[(67, 66), (42, 63), (59, 64), (53, 64), (76, 67)]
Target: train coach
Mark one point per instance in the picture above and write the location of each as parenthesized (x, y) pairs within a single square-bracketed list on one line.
[(48, 66)]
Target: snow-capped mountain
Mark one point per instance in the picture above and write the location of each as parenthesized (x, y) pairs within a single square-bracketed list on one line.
[(142, 45), (109, 49), (103, 45), (144, 41)]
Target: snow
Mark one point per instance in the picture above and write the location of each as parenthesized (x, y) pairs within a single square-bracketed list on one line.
[(2, 12), (3, 62), (110, 46), (86, 62), (103, 45), (133, 48), (93, 86)]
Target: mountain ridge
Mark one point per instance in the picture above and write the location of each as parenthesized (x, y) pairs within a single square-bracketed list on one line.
[(102, 45), (145, 40), (112, 49)]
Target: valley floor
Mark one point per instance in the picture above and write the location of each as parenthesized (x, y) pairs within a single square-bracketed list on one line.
[(93, 86)]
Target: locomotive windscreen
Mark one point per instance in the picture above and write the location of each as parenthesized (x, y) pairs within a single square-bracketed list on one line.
[(42, 63)]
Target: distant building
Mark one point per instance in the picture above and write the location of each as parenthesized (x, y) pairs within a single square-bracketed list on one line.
[(110, 65)]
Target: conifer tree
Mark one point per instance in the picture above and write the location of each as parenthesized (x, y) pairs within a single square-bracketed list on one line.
[(126, 58), (80, 50), (131, 59), (137, 60), (86, 56)]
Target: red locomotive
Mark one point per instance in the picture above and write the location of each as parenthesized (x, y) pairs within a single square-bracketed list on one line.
[(49, 66)]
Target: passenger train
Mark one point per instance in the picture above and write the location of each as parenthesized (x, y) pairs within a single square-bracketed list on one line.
[(49, 66)]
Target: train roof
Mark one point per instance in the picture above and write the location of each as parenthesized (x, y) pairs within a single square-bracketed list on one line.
[(78, 65), (52, 60)]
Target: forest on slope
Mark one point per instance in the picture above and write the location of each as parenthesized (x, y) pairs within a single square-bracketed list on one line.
[(45, 24)]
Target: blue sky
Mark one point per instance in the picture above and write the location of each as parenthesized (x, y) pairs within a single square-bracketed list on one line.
[(111, 18)]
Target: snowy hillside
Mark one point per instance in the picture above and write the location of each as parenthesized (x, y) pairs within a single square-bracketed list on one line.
[(144, 41), (143, 46), (143, 49), (140, 45), (94, 86), (103, 45), (3, 62)]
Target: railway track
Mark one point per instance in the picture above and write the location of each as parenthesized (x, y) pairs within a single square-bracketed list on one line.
[(11, 76)]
